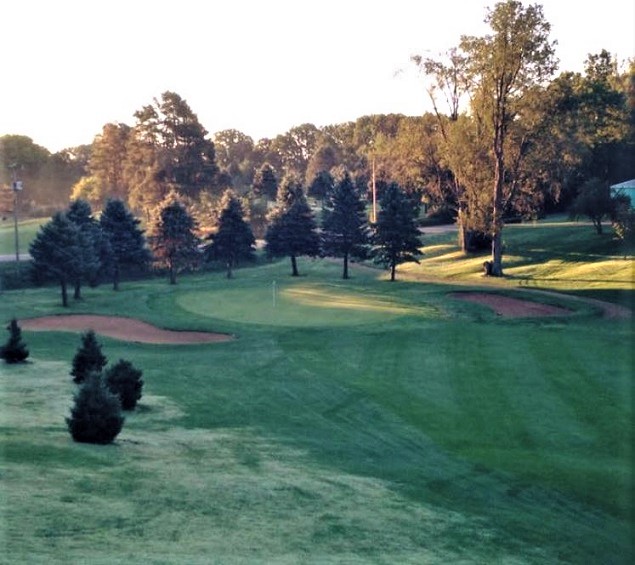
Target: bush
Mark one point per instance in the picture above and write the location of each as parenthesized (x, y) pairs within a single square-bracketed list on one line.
[(96, 416), (124, 380), (88, 358), (15, 350)]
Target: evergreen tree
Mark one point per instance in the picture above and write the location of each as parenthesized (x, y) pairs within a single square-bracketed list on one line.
[(344, 227), (293, 232), (321, 185), (81, 214), (59, 253), (96, 415), (265, 183), (88, 358), (127, 241), (174, 243), (124, 380), (15, 350), (396, 239), (233, 240)]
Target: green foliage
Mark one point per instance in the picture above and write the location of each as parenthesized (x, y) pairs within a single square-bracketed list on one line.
[(125, 381), (14, 350), (396, 237), (594, 201), (321, 185), (61, 252), (233, 240), (293, 230), (88, 358), (96, 415), (97, 249), (265, 183), (174, 242), (624, 219), (127, 243), (344, 226), (373, 444)]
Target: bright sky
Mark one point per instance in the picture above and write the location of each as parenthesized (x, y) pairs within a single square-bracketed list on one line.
[(259, 66)]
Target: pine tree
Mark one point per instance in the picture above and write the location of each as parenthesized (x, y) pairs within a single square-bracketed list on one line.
[(15, 350), (88, 358), (126, 240), (293, 231), (397, 238), (124, 380), (81, 214), (96, 415), (344, 226), (59, 252), (234, 239), (173, 240), (265, 183)]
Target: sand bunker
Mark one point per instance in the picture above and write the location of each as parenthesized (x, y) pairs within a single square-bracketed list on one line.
[(127, 329), (511, 307)]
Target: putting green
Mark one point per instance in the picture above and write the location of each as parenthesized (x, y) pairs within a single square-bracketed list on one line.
[(299, 305)]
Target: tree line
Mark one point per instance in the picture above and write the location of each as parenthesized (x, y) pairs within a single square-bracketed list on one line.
[(506, 140)]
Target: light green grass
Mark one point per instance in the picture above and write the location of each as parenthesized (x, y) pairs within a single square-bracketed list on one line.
[(366, 422), (27, 229)]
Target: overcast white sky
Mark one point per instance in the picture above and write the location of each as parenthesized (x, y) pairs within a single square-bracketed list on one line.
[(259, 66)]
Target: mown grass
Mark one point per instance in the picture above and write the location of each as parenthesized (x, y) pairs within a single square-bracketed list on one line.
[(27, 229), (552, 254), (350, 421)]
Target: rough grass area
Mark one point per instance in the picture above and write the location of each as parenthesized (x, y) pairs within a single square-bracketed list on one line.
[(555, 255), (356, 421)]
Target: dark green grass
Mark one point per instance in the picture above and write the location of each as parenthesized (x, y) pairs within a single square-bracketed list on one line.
[(412, 429)]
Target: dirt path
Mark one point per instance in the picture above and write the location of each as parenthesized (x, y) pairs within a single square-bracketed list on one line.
[(127, 329)]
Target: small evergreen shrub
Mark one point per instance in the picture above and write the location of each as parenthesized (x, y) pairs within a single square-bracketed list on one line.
[(96, 416), (124, 380), (15, 350), (88, 358)]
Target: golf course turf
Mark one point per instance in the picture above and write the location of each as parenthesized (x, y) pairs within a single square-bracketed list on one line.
[(357, 421)]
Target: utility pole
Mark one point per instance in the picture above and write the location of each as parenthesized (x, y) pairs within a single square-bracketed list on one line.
[(16, 186), (374, 193)]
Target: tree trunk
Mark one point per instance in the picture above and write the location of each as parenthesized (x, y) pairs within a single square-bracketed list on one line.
[(115, 278), (77, 295), (497, 254), (497, 211), (294, 266), (229, 269), (462, 233), (393, 269), (64, 293), (345, 273), (598, 226), (172, 274)]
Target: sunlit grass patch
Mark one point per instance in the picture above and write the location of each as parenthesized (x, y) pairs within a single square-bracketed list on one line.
[(300, 304)]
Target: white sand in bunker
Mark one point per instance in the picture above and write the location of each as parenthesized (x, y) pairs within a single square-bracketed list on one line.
[(127, 329), (511, 307)]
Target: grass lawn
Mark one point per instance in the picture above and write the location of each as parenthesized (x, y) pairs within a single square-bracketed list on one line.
[(356, 421), (27, 230)]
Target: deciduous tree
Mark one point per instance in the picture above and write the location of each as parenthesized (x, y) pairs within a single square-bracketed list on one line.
[(503, 67)]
